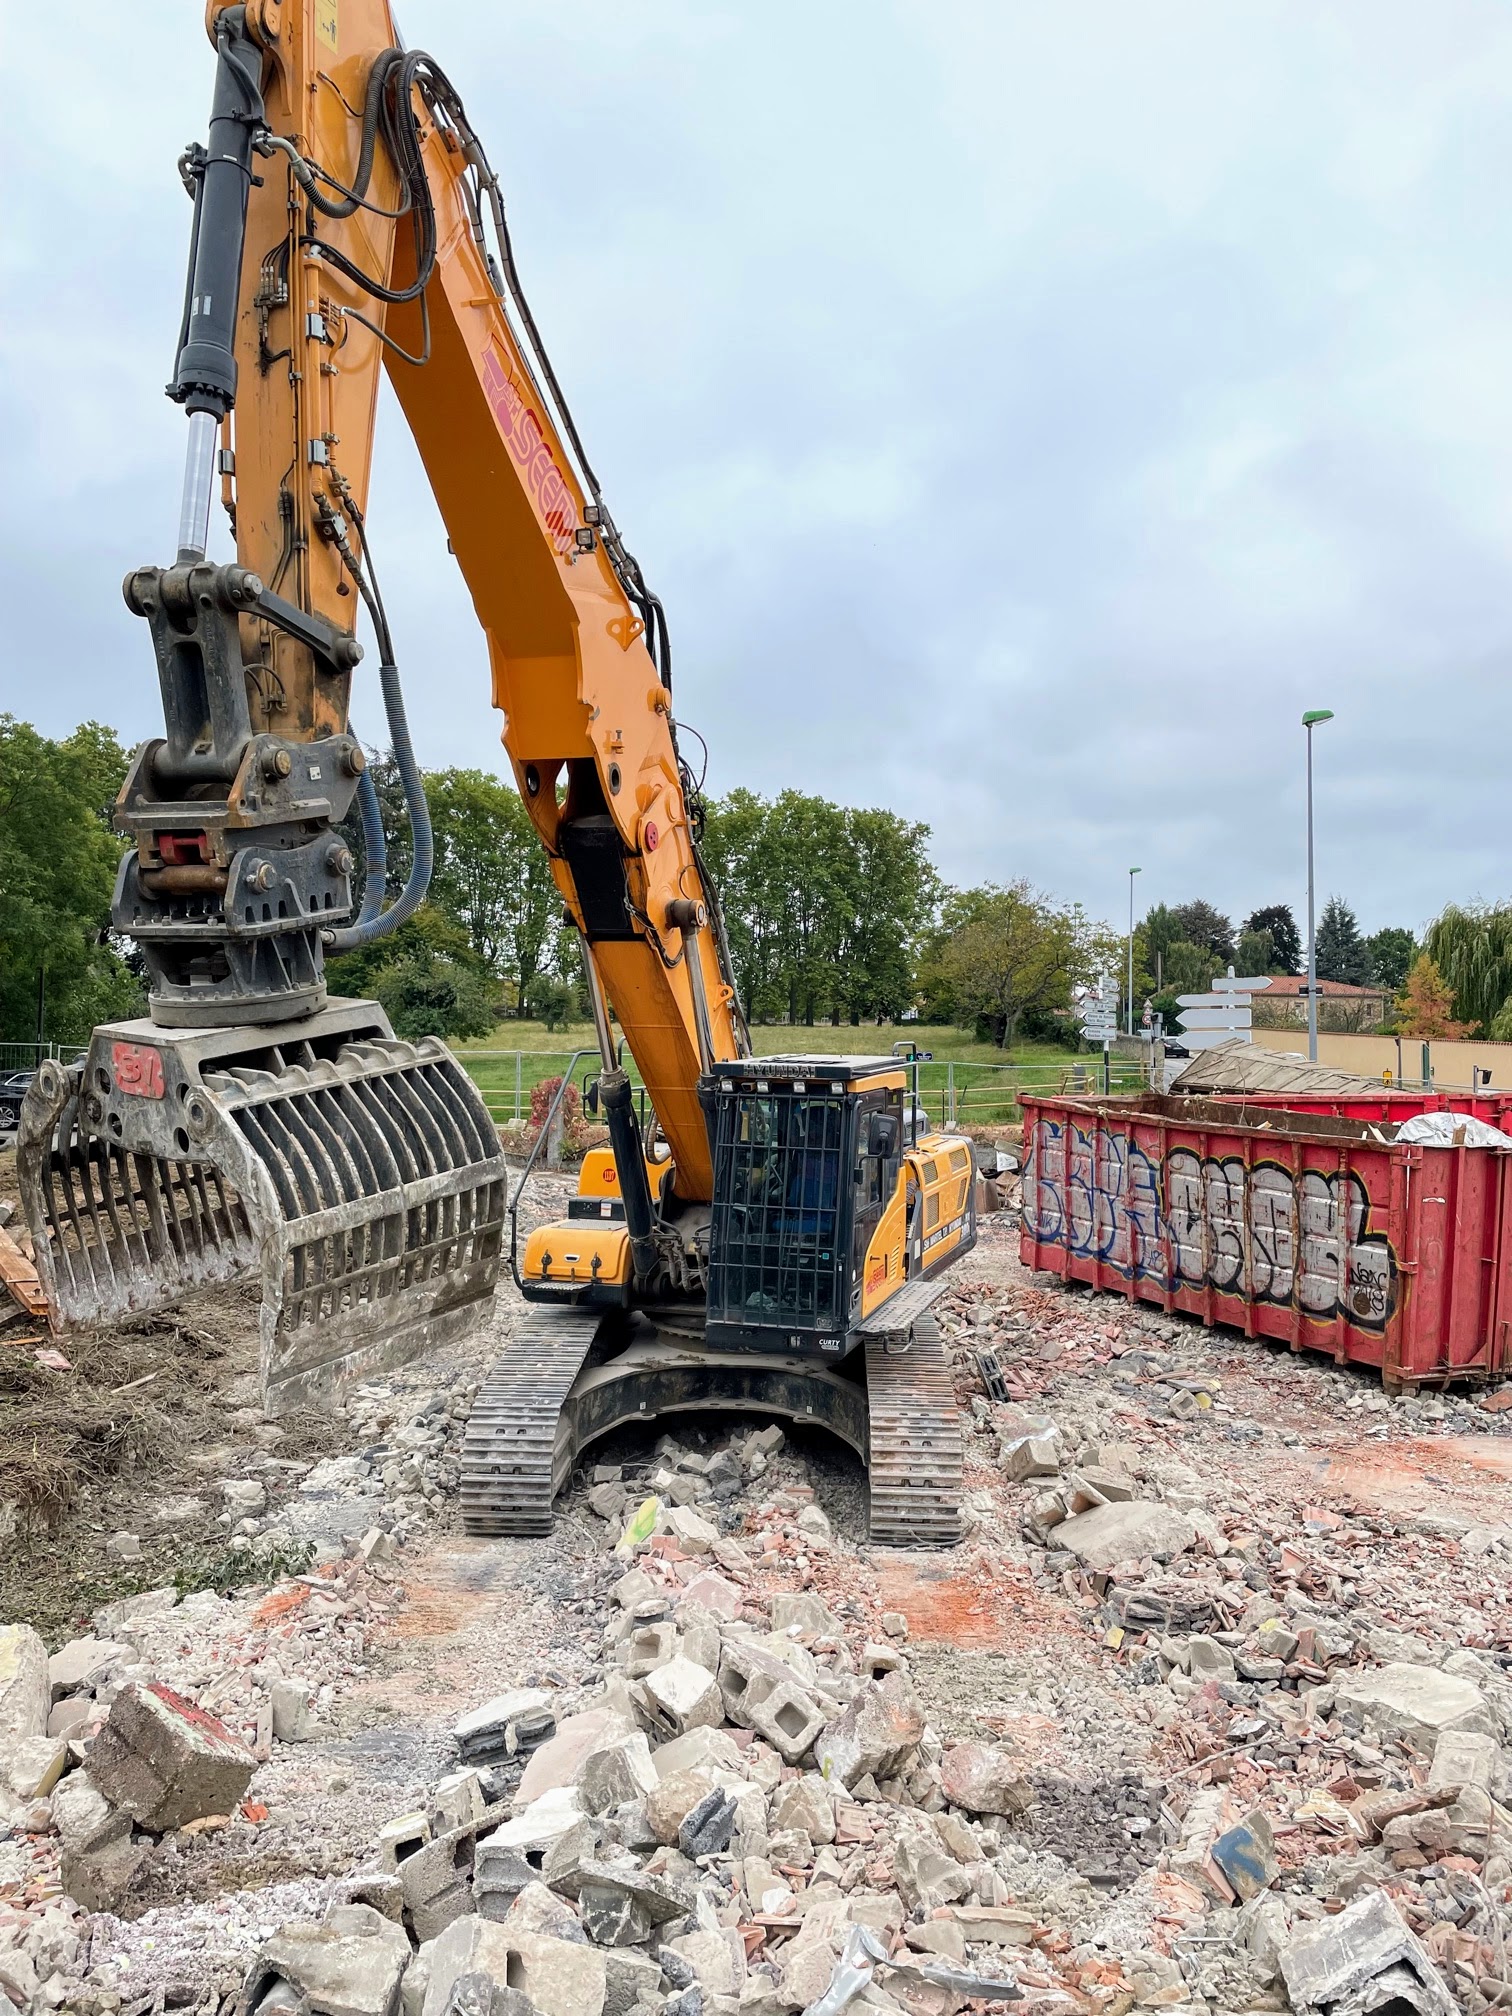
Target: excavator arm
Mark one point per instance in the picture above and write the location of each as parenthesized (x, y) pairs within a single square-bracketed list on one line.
[(432, 294), (346, 219)]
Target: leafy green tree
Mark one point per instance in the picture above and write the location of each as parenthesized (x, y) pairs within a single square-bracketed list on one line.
[(1286, 939), (887, 890), (1189, 968), (1201, 924), (1256, 953), (552, 1001), (424, 993), (58, 862), (1471, 946), (1006, 952), (1341, 950), (1391, 953), (494, 876)]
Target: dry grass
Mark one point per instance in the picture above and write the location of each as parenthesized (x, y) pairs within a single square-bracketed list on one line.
[(123, 1404)]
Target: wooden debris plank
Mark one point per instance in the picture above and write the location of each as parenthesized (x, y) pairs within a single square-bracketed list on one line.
[(20, 1276)]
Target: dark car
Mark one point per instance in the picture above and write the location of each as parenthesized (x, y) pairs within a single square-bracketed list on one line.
[(13, 1086)]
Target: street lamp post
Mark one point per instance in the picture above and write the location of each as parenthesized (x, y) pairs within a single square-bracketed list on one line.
[(1130, 1011), (1310, 721)]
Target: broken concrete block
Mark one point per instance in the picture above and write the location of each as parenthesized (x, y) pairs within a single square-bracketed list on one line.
[(802, 1611), (681, 1696), (1109, 1535), (1418, 1702), (25, 1695), (99, 1854), (537, 1909), (633, 1587), (166, 1762), (479, 1995), (292, 1719), (629, 1977), (515, 1853), (692, 1532), (32, 1765), (80, 1663), (1031, 1456), (1366, 1958), (760, 1693), (647, 1647), (1208, 1660), (1246, 1853), (400, 1837), (505, 1727), (714, 1749), (674, 1799), (714, 1593), (123, 1547), (982, 1779), (456, 1800), (716, 1958), (708, 1827), (926, 1878), (437, 1881), (561, 1978), (1463, 1757), (560, 1758), (617, 1771), (348, 1965), (608, 1500), (995, 1924), (873, 1735), (806, 1806)]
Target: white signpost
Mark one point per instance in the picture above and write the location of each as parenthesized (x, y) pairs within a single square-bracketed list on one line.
[(1099, 1013), (1221, 1015)]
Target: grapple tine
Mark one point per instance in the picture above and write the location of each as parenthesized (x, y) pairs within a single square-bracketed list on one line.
[(364, 1183)]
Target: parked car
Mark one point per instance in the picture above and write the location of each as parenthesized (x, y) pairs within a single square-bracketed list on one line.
[(12, 1091)]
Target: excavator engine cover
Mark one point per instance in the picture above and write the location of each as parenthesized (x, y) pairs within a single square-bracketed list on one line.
[(358, 1175)]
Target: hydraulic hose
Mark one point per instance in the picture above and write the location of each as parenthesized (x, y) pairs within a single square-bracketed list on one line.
[(374, 848), (368, 927)]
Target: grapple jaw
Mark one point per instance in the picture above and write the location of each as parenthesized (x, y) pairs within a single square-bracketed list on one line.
[(359, 1175)]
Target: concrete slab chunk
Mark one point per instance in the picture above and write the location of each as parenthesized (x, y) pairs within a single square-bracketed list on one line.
[(166, 1762), (1416, 1701), (1361, 1960), (25, 1695), (1111, 1534), (348, 1965)]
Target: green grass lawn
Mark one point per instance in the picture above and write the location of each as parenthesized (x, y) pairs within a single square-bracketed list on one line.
[(507, 1064)]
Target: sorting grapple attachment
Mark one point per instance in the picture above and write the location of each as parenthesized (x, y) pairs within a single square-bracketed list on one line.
[(360, 1176)]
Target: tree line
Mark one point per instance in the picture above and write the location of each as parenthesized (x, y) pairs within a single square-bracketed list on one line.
[(833, 913)]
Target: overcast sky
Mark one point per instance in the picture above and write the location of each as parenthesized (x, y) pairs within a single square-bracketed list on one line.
[(1024, 412)]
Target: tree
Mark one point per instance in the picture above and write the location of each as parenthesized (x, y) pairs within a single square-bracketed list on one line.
[(1007, 952), (1201, 924), (552, 1001), (1189, 969), (1471, 945), (1256, 953), (1286, 940), (494, 876), (425, 976), (58, 862), (1426, 1005), (1341, 954), (1390, 952), (825, 905)]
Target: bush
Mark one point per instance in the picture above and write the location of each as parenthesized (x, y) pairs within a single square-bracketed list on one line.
[(551, 1001), (426, 994)]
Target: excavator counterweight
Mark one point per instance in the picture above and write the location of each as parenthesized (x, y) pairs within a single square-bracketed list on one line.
[(772, 1237)]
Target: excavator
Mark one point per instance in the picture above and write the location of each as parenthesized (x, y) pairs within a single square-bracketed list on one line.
[(764, 1232)]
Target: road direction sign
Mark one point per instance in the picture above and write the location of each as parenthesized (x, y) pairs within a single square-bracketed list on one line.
[(1226, 1017)]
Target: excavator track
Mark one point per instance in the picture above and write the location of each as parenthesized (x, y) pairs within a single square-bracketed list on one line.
[(916, 1458), (516, 1451)]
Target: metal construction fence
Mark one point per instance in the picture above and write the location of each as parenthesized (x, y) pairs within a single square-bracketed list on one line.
[(951, 1094), (27, 1056)]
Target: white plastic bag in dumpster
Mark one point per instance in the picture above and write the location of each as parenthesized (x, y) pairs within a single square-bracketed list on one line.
[(1452, 1130)]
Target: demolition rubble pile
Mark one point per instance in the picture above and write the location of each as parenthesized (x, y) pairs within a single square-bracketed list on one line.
[(754, 1795)]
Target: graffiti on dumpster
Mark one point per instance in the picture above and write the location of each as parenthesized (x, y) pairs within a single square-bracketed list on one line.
[(1191, 1223)]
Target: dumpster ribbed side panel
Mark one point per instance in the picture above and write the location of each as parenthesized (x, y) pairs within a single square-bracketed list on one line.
[(1307, 1228)]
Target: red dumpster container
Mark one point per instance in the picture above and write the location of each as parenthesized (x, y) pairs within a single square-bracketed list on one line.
[(1389, 1103), (1306, 1227)]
